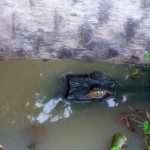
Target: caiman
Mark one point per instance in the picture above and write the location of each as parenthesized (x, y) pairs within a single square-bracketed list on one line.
[(89, 87)]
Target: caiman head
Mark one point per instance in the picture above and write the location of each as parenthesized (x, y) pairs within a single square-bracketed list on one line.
[(84, 88)]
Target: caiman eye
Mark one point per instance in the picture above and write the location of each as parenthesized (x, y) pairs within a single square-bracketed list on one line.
[(98, 93)]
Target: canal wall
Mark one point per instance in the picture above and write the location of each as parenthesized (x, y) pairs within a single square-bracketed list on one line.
[(116, 31)]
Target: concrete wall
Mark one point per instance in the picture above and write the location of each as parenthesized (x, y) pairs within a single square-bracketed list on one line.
[(93, 30)]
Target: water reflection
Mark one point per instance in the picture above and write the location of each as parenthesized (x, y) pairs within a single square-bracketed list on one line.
[(111, 102), (124, 98), (54, 110), (42, 110)]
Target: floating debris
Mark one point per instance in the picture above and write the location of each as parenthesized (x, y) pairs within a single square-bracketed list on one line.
[(119, 142), (37, 134), (2, 148), (135, 119)]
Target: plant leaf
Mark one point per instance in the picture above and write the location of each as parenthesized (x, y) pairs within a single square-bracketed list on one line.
[(148, 130), (148, 116), (147, 55), (135, 73), (115, 148), (146, 126), (127, 123)]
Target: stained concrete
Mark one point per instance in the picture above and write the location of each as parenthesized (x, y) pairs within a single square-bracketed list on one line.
[(116, 31)]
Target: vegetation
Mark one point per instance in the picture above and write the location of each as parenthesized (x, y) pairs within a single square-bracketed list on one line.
[(38, 134), (115, 148), (32, 146), (147, 55), (139, 69), (119, 142), (136, 119)]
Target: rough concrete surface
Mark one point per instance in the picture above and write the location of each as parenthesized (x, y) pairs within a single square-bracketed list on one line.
[(117, 31)]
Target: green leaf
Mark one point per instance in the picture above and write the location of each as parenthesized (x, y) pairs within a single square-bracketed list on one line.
[(146, 126), (135, 73), (147, 55), (148, 130), (31, 146), (115, 148)]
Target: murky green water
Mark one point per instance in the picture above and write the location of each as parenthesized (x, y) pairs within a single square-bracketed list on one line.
[(30, 93)]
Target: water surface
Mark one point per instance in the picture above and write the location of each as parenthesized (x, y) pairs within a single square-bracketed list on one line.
[(31, 91)]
